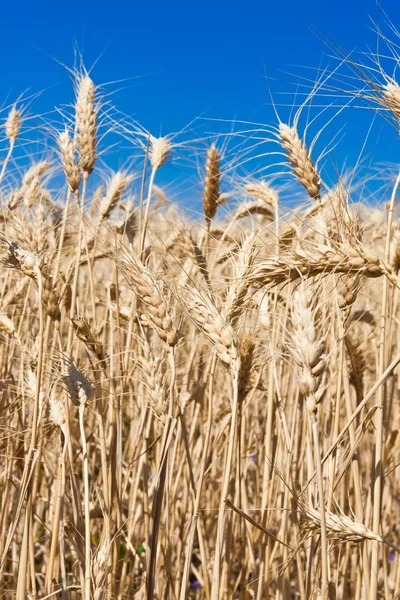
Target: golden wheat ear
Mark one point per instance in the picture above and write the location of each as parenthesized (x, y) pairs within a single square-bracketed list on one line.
[(300, 159), (68, 151), (160, 149), (13, 124), (211, 196), (118, 184), (86, 114)]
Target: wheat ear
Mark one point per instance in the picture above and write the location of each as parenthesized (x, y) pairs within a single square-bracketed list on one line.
[(70, 165), (297, 263), (118, 184), (29, 264), (235, 300), (86, 123), (150, 290), (12, 127), (262, 191), (91, 340), (208, 319), (211, 195), (31, 191), (391, 96), (300, 159), (343, 528)]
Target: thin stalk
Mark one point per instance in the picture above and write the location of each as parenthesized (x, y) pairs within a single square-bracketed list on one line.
[(6, 161), (215, 591), (160, 484), (74, 291), (86, 591), (62, 544), (147, 212), (378, 467), (62, 234), (199, 488), (21, 586), (320, 483)]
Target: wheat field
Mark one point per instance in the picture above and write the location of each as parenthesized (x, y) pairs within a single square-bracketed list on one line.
[(196, 407)]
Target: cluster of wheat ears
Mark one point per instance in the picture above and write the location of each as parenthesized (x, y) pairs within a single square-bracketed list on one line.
[(195, 408)]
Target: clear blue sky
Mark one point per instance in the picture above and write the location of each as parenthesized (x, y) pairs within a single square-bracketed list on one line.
[(181, 59)]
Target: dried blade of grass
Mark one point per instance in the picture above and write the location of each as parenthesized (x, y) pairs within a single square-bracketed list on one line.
[(349, 453), (357, 411), (247, 517), (28, 472)]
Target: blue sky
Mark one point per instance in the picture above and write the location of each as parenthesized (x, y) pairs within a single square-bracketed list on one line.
[(181, 59)]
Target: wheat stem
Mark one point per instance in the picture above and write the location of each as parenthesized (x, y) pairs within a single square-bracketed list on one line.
[(219, 544), (7, 159), (378, 467), (85, 459), (147, 212)]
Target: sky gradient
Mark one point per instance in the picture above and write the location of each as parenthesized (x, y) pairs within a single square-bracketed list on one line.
[(178, 60)]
